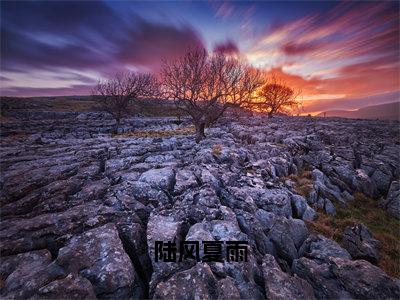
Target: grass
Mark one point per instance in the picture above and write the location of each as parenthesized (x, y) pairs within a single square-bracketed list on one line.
[(383, 227), (216, 150), (157, 133), (303, 182)]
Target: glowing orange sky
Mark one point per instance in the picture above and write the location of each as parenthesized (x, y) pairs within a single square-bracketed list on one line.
[(345, 53)]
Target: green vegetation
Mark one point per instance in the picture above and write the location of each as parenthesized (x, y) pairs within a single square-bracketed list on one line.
[(363, 209), (383, 227)]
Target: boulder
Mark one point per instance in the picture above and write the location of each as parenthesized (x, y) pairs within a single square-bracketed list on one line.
[(280, 285), (99, 256), (164, 228), (345, 279), (198, 282), (255, 227), (287, 235), (320, 248), (310, 214), (275, 201), (50, 229), (185, 179), (71, 287), (147, 194), (325, 188), (25, 273), (392, 201), (363, 183), (329, 207), (299, 205), (301, 209), (360, 243), (382, 177), (163, 179)]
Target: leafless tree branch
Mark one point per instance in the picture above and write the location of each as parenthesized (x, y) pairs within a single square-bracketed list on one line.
[(275, 96), (204, 85), (117, 93)]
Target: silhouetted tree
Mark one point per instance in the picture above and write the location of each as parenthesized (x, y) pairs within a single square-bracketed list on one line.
[(117, 93), (204, 85), (275, 96)]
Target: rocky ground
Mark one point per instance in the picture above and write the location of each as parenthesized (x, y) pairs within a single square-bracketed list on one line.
[(81, 209)]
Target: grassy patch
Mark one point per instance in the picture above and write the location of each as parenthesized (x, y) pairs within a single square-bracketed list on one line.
[(303, 182), (383, 227), (157, 133), (216, 150)]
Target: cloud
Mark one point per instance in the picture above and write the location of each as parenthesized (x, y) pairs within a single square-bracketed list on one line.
[(62, 37), (146, 43), (228, 47), (223, 10), (306, 86), (3, 78), (350, 52), (54, 34), (347, 34), (236, 12), (316, 106), (22, 51), (80, 89), (298, 48)]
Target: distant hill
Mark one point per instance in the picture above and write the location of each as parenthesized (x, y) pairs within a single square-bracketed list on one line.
[(388, 111)]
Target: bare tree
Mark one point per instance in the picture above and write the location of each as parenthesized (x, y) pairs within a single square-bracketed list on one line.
[(117, 93), (275, 96), (204, 85)]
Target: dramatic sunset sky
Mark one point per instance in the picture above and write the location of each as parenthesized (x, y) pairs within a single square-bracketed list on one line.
[(343, 55)]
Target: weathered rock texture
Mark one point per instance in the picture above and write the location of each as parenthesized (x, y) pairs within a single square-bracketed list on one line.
[(81, 210), (360, 243)]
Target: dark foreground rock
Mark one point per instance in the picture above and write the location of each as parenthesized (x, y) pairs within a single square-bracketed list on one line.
[(280, 285), (342, 278), (360, 243), (392, 201), (81, 210)]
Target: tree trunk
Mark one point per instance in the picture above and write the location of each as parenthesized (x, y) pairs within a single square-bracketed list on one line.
[(200, 131), (116, 127), (179, 121), (270, 114)]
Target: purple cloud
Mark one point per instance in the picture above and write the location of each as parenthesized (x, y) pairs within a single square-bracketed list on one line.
[(79, 89), (146, 43), (298, 48), (87, 36), (227, 47)]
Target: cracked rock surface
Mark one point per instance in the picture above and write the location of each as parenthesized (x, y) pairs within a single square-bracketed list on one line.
[(81, 209)]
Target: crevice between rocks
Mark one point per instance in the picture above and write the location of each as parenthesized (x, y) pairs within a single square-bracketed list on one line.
[(144, 276)]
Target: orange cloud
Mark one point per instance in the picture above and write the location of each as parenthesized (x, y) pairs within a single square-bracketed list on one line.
[(350, 52)]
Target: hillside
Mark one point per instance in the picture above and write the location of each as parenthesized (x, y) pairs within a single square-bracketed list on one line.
[(388, 111)]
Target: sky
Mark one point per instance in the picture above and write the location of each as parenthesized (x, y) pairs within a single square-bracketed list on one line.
[(341, 55)]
